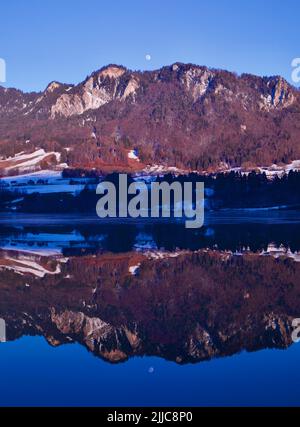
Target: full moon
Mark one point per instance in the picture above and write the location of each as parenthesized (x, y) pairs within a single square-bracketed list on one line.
[(148, 57)]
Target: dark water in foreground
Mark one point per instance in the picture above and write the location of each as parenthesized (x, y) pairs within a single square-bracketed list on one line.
[(150, 314)]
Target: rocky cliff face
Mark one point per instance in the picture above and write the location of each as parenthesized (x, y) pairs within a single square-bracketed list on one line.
[(98, 90), (181, 115)]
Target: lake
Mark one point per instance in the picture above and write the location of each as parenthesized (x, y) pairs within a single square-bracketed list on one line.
[(112, 313)]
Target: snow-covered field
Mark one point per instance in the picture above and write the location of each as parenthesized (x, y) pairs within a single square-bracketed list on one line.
[(22, 162), (270, 171), (46, 181), (36, 163)]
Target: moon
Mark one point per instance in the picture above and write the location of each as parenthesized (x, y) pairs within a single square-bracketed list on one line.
[(148, 57)]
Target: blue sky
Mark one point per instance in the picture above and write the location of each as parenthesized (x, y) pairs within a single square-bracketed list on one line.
[(66, 40)]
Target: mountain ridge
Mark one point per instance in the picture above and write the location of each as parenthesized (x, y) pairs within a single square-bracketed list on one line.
[(183, 115)]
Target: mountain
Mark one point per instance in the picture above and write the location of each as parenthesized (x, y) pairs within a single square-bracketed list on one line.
[(185, 116)]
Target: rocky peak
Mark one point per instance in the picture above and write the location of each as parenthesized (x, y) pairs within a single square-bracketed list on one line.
[(197, 81), (53, 86), (277, 93), (112, 71), (100, 88)]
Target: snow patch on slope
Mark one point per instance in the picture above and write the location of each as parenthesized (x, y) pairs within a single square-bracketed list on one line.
[(31, 161), (132, 155)]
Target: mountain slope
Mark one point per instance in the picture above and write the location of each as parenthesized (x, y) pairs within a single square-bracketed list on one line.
[(182, 115)]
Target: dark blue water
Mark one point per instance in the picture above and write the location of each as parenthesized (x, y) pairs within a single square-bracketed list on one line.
[(33, 373)]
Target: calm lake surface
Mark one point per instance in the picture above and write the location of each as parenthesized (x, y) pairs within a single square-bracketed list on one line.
[(139, 313)]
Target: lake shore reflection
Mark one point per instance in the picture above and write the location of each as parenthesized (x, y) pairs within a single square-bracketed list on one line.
[(182, 305)]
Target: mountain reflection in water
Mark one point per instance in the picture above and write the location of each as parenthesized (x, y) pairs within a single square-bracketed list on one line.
[(123, 290)]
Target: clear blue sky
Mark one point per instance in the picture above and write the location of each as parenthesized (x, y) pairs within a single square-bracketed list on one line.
[(65, 40)]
